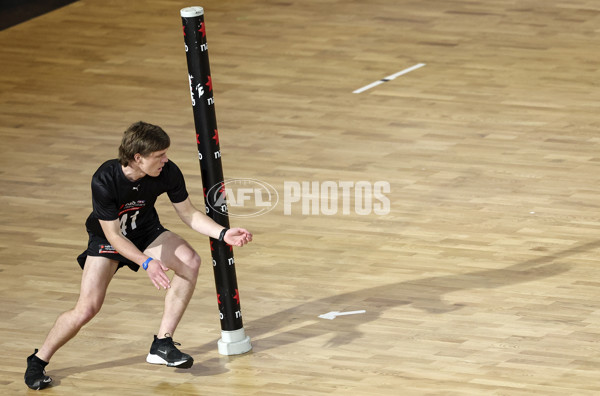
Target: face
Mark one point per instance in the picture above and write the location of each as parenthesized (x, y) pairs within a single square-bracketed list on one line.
[(153, 163)]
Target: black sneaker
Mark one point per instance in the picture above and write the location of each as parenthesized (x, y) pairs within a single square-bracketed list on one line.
[(35, 375), (164, 351)]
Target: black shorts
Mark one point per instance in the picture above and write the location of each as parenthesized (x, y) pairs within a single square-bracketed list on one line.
[(99, 246)]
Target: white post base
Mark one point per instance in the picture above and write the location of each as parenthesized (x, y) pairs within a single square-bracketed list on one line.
[(234, 342)]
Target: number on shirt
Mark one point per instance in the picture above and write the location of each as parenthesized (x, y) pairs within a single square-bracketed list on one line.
[(124, 219)]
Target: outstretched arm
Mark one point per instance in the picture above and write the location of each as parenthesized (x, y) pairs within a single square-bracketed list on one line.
[(203, 224)]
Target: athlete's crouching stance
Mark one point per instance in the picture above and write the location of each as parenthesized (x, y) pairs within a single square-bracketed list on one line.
[(124, 230)]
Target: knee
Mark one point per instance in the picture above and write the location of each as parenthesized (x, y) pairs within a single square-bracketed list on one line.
[(87, 311), (192, 261)]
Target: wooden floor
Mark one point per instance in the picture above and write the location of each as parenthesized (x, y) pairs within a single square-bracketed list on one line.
[(484, 277)]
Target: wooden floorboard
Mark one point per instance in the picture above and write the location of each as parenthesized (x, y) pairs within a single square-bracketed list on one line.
[(481, 280)]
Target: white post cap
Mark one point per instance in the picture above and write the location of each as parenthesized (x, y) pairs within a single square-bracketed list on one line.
[(190, 12)]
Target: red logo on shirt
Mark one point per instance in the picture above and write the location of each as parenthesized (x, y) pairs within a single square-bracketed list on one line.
[(107, 249), (133, 205)]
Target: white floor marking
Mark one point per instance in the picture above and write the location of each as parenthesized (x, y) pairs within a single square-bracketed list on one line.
[(332, 315), (389, 78)]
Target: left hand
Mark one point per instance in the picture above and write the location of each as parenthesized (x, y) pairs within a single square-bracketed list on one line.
[(237, 237)]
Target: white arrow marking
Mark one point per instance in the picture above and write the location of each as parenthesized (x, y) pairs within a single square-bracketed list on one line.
[(332, 315)]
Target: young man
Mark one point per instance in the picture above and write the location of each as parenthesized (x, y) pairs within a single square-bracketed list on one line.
[(124, 230)]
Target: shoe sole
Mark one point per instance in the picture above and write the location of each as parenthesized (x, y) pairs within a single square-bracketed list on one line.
[(183, 364), (40, 384)]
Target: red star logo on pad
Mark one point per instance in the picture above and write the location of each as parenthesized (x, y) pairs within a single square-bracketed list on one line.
[(212, 249), (198, 138), (216, 137), (202, 29), (222, 190), (184, 30), (209, 83), (237, 296), (219, 298)]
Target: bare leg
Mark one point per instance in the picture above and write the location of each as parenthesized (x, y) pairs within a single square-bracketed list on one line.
[(179, 256), (97, 274)]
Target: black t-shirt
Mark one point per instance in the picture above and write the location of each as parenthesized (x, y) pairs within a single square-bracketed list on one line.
[(116, 197)]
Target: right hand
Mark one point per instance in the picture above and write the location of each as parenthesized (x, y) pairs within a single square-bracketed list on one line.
[(156, 271)]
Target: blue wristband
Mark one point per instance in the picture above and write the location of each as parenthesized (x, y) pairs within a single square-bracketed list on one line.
[(145, 263)]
